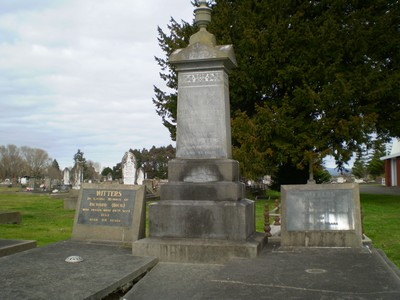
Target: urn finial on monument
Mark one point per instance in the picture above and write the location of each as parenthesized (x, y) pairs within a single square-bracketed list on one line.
[(203, 15), (202, 19)]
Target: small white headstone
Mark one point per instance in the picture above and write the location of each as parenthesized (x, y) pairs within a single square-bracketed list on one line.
[(129, 168), (140, 176), (66, 176)]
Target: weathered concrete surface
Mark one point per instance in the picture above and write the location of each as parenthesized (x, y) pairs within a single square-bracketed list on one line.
[(299, 273), (202, 219), (8, 247), (42, 273), (199, 250)]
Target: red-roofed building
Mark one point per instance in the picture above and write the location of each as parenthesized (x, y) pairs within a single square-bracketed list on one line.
[(392, 165)]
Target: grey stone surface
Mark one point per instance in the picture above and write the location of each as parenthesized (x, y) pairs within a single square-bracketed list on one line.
[(43, 273), (8, 247), (321, 215), (203, 170), (200, 250), (203, 124), (218, 191), (112, 212), (231, 220), (300, 273)]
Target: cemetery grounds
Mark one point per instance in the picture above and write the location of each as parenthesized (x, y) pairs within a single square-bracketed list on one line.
[(45, 220)]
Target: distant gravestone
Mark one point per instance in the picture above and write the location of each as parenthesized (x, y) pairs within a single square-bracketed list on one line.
[(10, 217), (322, 215), (109, 177), (23, 180), (110, 213), (77, 176), (47, 183), (139, 176), (66, 176), (129, 168)]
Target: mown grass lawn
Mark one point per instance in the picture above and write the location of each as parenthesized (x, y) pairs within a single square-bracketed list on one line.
[(45, 220), (381, 221)]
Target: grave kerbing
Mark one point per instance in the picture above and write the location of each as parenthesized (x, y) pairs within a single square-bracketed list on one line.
[(202, 214)]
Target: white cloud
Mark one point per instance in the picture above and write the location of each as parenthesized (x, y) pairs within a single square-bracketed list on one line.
[(80, 74)]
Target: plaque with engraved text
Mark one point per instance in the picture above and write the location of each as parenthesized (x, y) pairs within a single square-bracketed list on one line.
[(108, 207), (308, 210)]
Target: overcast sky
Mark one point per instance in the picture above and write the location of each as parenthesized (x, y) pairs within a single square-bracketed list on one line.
[(79, 74)]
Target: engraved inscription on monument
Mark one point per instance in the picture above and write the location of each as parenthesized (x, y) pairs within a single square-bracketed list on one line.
[(106, 207), (308, 210)]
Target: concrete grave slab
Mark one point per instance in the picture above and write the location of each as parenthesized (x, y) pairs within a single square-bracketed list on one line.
[(8, 247), (302, 273), (43, 273)]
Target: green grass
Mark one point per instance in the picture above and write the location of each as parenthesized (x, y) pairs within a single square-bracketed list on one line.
[(45, 220), (381, 221)]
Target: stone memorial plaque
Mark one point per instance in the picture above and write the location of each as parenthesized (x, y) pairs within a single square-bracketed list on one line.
[(319, 210), (107, 207), (110, 212), (321, 215)]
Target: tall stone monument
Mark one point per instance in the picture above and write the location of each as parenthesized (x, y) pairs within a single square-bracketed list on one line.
[(202, 214)]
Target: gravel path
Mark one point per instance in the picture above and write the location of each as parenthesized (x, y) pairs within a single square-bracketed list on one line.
[(379, 189)]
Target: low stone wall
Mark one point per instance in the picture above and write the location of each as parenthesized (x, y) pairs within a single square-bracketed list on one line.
[(11, 217)]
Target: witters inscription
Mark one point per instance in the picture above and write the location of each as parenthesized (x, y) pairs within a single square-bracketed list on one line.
[(106, 207)]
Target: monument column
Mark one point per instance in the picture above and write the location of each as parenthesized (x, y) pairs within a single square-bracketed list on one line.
[(202, 214)]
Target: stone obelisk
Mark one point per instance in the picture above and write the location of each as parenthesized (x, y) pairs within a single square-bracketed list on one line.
[(202, 214)]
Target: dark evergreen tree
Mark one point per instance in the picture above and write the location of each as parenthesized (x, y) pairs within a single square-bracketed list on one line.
[(55, 165), (117, 171), (54, 171), (376, 166), (314, 78), (106, 171), (359, 169), (154, 162)]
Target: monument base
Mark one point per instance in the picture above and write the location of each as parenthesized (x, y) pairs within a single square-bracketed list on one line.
[(203, 219), (348, 238), (199, 250)]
